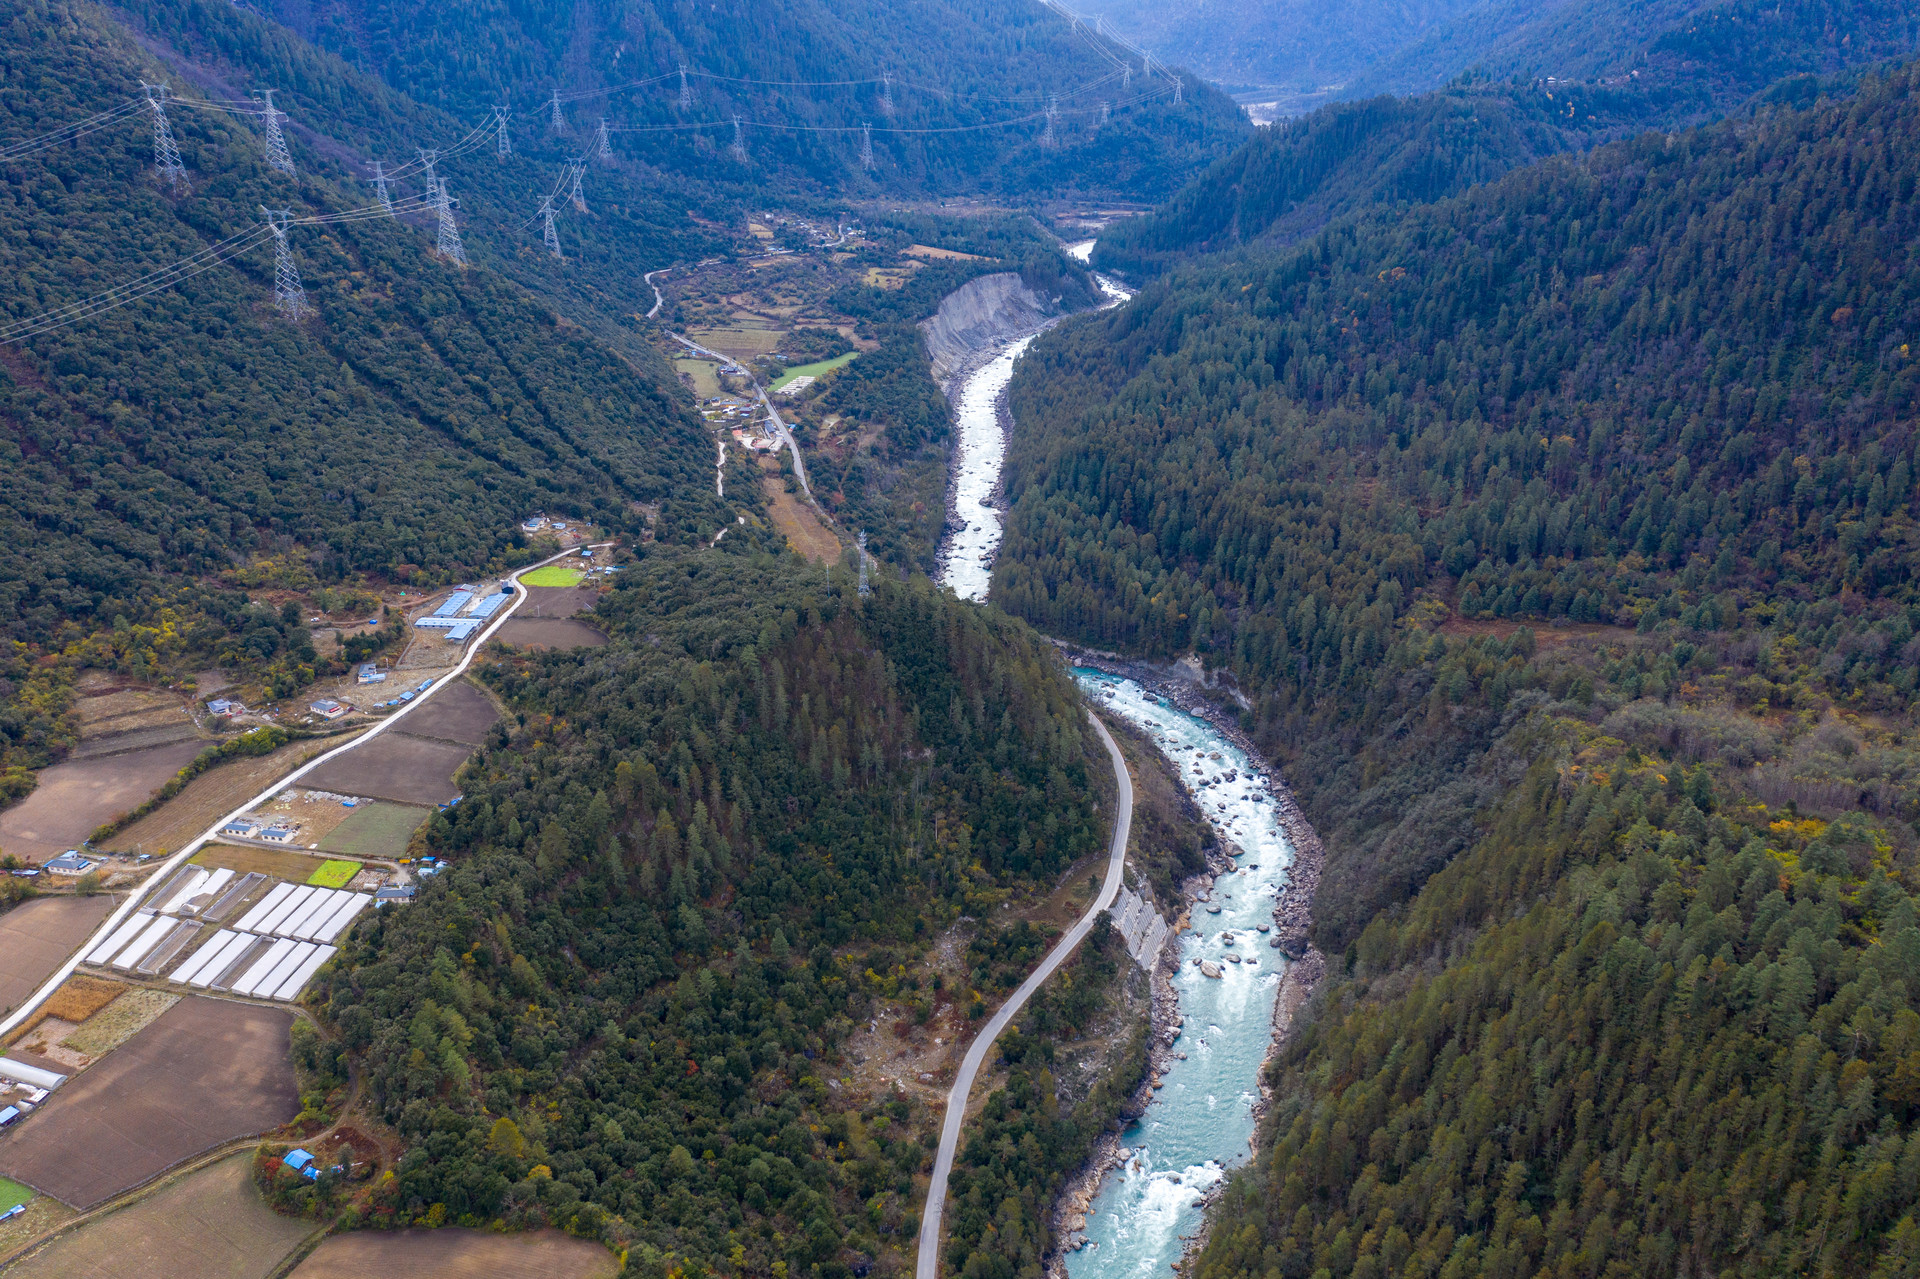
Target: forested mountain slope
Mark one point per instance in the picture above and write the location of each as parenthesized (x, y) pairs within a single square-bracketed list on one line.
[(1650, 68), (956, 93), (682, 878), (1566, 528), (403, 429)]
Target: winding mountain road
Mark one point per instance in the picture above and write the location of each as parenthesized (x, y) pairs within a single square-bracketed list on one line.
[(167, 867), (928, 1265)]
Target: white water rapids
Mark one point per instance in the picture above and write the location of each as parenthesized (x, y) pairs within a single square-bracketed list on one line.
[(966, 561)]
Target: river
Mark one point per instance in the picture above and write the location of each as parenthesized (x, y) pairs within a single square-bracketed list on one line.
[(966, 561), (1199, 1123)]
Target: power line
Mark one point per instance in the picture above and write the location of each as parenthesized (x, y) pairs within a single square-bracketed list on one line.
[(69, 132)]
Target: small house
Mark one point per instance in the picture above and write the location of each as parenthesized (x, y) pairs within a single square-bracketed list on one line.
[(226, 707), (327, 708), (369, 673), (392, 896), (8, 1115), (71, 863), (280, 833), (241, 828), (302, 1162)]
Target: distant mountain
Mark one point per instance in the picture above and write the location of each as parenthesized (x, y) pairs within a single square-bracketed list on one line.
[(1301, 46), (956, 96), (1649, 69)]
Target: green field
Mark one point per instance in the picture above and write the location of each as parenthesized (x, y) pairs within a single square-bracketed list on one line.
[(12, 1192), (552, 575), (334, 874), (374, 830), (818, 369)]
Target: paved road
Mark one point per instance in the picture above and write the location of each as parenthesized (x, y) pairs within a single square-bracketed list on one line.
[(773, 414), (166, 868), (928, 1266)]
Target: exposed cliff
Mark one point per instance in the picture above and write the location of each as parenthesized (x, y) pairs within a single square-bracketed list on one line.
[(978, 318)]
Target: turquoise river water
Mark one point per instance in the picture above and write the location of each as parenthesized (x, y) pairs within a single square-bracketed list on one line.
[(1200, 1121)]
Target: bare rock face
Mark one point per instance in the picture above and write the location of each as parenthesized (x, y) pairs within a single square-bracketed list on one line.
[(978, 318)]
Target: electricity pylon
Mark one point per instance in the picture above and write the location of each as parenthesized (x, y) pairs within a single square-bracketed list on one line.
[(686, 94), (449, 243), (427, 159), (278, 158), (551, 236), (886, 93), (578, 170), (865, 590), (166, 156), (866, 148), (505, 139), (557, 122), (603, 144), (1052, 110), (739, 147), (380, 186), (287, 293)]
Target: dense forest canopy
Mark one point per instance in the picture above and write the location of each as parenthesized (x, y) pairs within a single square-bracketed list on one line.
[(955, 91), (1650, 70), (1560, 536), (682, 873)]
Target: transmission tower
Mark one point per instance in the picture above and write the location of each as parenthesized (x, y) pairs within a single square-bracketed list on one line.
[(686, 94), (886, 93), (551, 236), (1052, 110), (449, 244), (277, 157), (1106, 112), (427, 160), (865, 590), (380, 186), (739, 147), (166, 156), (602, 143), (557, 122), (1126, 77), (287, 293), (577, 169), (1178, 85), (500, 132), (866, 148)]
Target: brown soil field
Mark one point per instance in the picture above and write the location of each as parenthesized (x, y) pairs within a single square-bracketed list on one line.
[(210, 1224), (453, 1253), (75, 798), (292, 867), (37, 936), (211, 796), (96, 709), (207, 1071), (796, 520), (396, 766), (119, 1021), (557, 601), (549, 632), (923, 251), (458, 713)]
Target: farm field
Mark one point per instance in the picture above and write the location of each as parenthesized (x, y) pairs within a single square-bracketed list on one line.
[(549, 632), (815, 369), (377, 829), (741, 343), (334, 874), (552, 575), (796, 521), (458, 713), (12, 1194), (207, 1071), (43, 1213), (209, 797), (454, 1253), (555, 601), (703, 375), (75, 798), (37, 936), (210, 1224), (292, 867), (396, 766)]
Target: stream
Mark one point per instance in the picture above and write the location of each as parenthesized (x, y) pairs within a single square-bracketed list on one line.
[(966, 561), (1199, 1123)]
